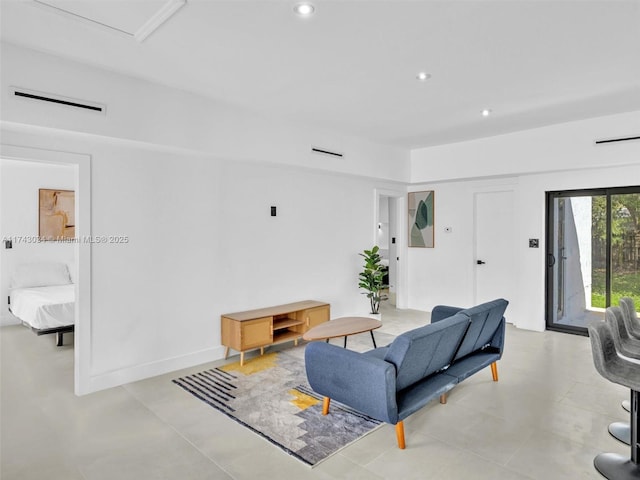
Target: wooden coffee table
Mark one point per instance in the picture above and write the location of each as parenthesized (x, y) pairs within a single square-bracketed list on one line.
[(343, 327)]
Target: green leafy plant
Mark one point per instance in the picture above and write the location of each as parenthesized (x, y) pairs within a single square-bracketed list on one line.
[(371, 278)]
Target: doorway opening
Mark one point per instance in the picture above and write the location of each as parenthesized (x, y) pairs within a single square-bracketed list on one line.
[(390, 237), (592, 254), (80, 269)]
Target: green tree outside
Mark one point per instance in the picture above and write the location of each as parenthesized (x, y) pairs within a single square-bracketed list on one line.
[(625, 246)]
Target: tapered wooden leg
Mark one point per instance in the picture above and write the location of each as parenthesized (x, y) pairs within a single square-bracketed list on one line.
[(443, 398), (261, 350), (226, 352), (241, 359), (325, 405), (400, 434), (494, 371)]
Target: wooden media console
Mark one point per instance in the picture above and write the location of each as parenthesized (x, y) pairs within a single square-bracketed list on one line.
[(259, 328)]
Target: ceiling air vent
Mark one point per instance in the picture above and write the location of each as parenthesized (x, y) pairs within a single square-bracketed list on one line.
[(613, 140), (324, 151), (57, 99)]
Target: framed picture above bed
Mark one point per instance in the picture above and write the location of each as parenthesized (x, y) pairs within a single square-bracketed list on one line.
[(421, 219), (56, 214)]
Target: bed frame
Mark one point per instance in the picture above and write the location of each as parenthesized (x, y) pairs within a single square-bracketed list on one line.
[(59, 331)]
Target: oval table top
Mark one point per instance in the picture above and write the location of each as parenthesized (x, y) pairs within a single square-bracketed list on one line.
[(342, 327)]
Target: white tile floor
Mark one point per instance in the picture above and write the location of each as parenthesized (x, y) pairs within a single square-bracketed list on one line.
[(545, 419)]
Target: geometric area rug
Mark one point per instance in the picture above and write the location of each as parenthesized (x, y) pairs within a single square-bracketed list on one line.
[(270, 395)]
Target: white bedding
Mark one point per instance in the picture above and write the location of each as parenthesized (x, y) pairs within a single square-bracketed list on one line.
[(44, 307)]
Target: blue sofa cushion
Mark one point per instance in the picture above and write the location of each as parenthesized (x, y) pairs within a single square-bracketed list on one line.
[(485, 321), (412, 399), (467, 366), (423, 351)]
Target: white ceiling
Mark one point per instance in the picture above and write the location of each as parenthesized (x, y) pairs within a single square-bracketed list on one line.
[(126, 16), (352, 66)]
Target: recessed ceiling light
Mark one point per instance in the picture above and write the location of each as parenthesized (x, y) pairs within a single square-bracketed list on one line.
[(422, 76), (486, 112), (304, 9)]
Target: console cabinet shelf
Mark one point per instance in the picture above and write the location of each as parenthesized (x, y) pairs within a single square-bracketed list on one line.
[(259, 328)]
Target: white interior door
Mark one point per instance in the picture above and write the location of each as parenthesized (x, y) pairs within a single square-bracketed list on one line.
[(495, 237)]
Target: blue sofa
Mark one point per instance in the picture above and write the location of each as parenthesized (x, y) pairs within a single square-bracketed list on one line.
[(390, 383)]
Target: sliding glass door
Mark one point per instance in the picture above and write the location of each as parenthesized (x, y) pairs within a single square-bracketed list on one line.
[(593, 254)]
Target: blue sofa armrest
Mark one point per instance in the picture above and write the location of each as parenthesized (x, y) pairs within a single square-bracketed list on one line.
[(362, 382), (440, 312)]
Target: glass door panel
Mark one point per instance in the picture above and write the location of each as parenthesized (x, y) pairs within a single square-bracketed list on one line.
[(571, 261), (593, 254), (625, 247)]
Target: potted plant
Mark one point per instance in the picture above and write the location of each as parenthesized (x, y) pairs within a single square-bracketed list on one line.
[(371, 278)]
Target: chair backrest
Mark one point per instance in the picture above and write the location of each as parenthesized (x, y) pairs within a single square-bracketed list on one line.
[(485, 321), (603, 349), (630, 316), (606, 359), (623, 342), (423, 351)]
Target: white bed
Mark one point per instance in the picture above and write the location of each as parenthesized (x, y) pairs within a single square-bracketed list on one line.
[(43, 298), (44, 307)]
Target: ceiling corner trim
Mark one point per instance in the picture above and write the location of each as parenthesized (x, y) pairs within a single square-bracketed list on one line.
[(165, 13), (65, 13)]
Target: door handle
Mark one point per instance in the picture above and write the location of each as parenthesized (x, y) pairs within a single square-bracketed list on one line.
[(551, 260), (480, 262)]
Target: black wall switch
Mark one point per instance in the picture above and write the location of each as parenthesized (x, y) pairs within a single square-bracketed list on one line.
[(534, 243), (8, 244), (393, 239), (273, 211)]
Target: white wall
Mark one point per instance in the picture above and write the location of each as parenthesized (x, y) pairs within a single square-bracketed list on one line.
[(190, 182), (157, 115), (19, 184), (562, 147), (566, 159), (202, 243)]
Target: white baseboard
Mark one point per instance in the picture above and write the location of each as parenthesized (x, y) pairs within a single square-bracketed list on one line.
[(120, 377)]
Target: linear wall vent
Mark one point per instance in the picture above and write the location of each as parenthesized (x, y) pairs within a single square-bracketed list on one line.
[(614, 140), (324, 151), (57, 99)]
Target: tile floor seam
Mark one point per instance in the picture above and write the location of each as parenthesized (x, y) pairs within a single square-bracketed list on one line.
[(493, 462), (531, 431)]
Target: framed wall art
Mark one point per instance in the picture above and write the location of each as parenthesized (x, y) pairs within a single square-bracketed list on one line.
[(56, 214), (421, 225)]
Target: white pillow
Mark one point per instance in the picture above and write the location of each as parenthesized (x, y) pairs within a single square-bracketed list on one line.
[(40, 275), (72, 271)]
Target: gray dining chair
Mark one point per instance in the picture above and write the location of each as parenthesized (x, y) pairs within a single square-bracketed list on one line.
[(629, 347), (624, 372), (630, 316)]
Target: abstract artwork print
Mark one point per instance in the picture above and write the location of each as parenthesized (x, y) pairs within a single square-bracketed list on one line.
[(421, 225)]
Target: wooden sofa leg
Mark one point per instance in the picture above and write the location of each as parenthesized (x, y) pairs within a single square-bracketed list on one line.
[(400, 434), (494, 371), (443, 398), (325, 405)]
